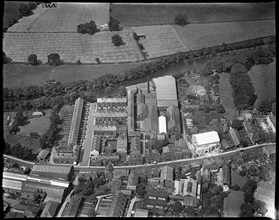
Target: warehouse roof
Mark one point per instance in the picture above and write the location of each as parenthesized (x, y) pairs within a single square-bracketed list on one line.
[(162, 124), (51, 168), (11, 184), (141, 213), (165, 88), (166, 173), (14, 176), (207, 137)]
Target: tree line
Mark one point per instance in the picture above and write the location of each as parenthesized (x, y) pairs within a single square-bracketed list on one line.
[(238, 65), (64, 92)]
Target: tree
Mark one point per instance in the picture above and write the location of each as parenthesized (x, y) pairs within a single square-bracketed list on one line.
[(88, 28), (242, 173), (98, 60), (136, 37), (15, 165), (190, 212), (78, 62), (206, 109), (237, 124), (123, 91), (248, 197), (117, 40), (273, 108), (236, 187), (177, 207), (113, 24), (244, 143), (32, 60), (220, 109), (108, 91), (54, 59), (265, 106), (181, 19), (246, 210)]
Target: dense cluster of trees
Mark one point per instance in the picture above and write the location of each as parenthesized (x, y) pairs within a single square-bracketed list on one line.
[(26, 9), (117, 40), (19, 120), (54, 59), (88, 28), (19, 151), (47, 139), (181, 19), (265, 106), (114, 24), (248, 207), (158, 144)]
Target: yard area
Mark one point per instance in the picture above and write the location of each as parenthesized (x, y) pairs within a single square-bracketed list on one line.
[(20, 75), (161, 13), (38, 125), (72, 46), (237, 179), (226, 96), (232, 203), (263, 78)]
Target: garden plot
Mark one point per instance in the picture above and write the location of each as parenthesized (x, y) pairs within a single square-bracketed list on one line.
[(160, 40), (65, 18), (197, 36), (72, 47)]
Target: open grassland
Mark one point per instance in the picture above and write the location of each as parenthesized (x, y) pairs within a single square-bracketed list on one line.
[(72, 47), (10, 12), (226, 96), (263, 77), (20, 75), (161, 40), (65, 18), (38, 125), (232, 203), (197, 36), (151, 14)]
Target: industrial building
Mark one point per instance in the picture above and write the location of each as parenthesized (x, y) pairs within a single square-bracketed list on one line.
[(205, 142), (53, 171), (166, 93), (166, 177), (162, 124), (76, 119)]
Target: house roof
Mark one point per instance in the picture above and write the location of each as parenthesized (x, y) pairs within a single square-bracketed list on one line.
[(73, 206), (27, 208), (100, 100), (37, 113), (50, 209), (141, 213), (43, 153), (166, 173), (133, 179), (51, 169), (11, 184), (207, 137), (118, 204)]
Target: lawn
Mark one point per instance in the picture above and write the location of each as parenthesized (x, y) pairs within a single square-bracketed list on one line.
[(226, 96), (263, 78), (197, 36), (72, 46), (232, 203), (20, 75), (65, 18), (237, 179), (38, 125), (152, 14)]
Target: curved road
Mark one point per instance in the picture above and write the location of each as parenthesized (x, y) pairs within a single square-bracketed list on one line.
[(87, 169)]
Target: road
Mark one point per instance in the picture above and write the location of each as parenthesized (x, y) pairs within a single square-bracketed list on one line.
[(87, 169), (99, 168)]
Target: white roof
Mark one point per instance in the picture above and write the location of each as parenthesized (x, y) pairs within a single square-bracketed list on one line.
[(162, 124), (37, 113), (207, 137)]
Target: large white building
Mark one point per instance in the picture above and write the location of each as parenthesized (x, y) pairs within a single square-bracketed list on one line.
[(204, 143), (162, 124)]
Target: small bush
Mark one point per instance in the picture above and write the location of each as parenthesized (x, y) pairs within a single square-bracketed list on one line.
[(79, 62), (181, 19), (98, 60), (136, 37), (141, 47)]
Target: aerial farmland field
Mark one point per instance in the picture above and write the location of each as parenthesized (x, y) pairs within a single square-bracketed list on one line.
[(10, 12), (134, 14), (161, 40), (65, 18), (72, 47), (197, 36)]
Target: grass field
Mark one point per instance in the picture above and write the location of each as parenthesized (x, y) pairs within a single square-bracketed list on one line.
[(10, 12), (161, 40), (226, 96), (237, 179), (65, 18), (263, 78), (72, 47), (20, 75), (197, 36), (232, 203), (152, 14), (38, 125)]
